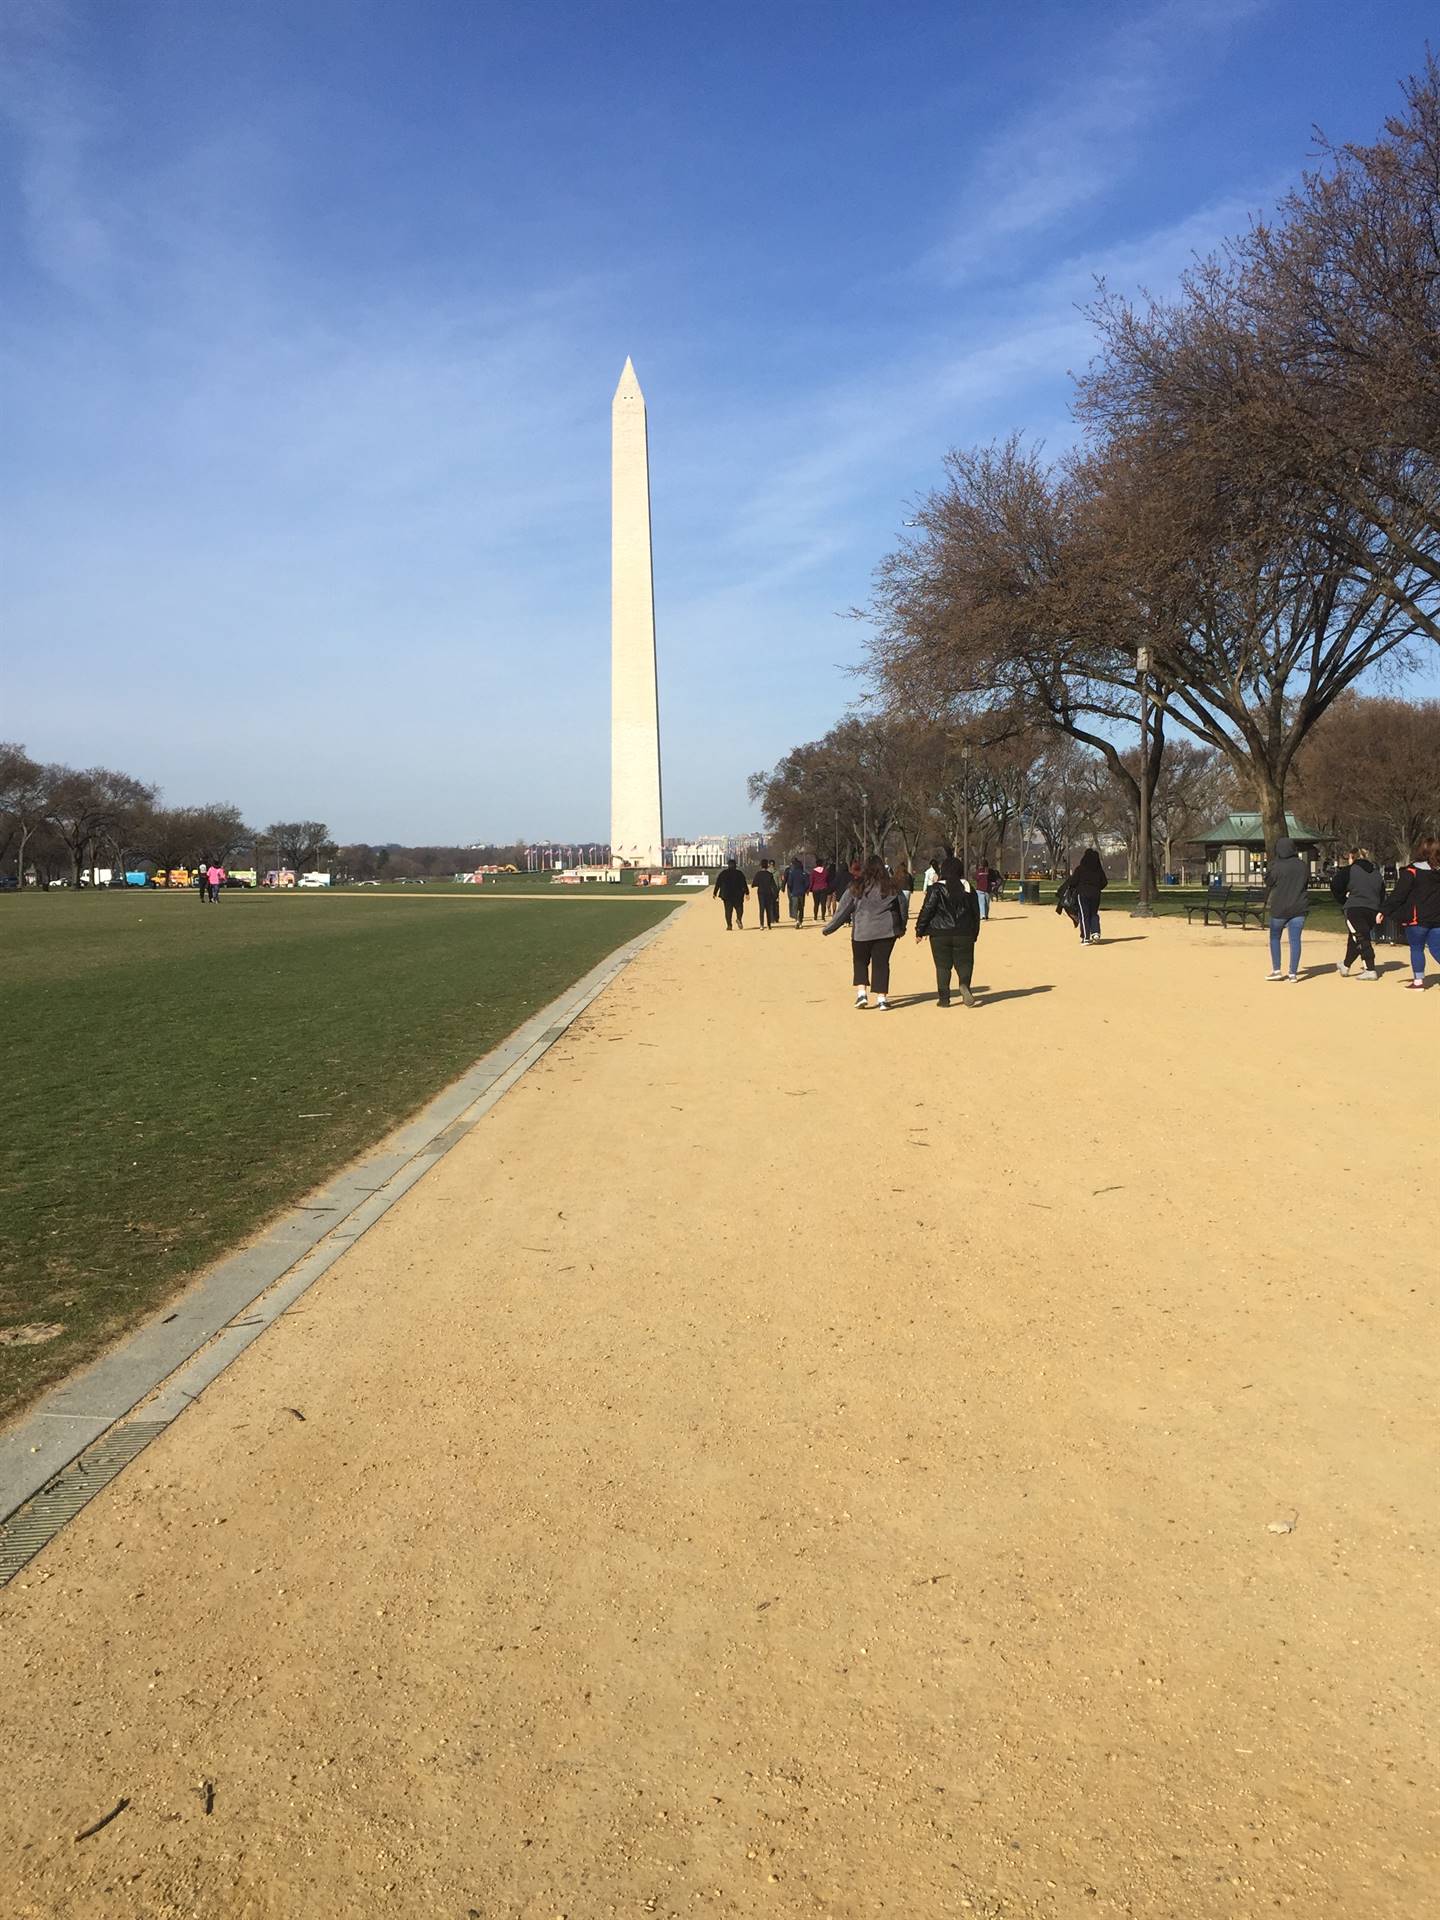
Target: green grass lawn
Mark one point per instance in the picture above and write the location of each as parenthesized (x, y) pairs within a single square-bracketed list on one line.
[(1324, 917), (175, 1073)]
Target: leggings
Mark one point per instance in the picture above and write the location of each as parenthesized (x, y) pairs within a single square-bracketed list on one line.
[(872, 963), (1420, 939), (955, 951), (817, 902), (1361, 944)]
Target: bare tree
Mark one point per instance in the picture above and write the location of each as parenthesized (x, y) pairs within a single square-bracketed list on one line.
[(1371, 772), (24, 800), (299, 843), (82, 806)]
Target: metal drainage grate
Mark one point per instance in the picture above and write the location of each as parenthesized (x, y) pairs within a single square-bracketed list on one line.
[(36, 1524)]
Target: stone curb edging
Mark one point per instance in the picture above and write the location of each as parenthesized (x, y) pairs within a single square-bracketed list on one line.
[(175, 1356)]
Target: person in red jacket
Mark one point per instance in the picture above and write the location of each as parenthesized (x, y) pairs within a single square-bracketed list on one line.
[(819, 889)]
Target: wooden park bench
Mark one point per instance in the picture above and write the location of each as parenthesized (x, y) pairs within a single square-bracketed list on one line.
[(1230, 906)]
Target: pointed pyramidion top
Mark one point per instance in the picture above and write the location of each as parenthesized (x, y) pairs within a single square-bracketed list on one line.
[(629, 387)]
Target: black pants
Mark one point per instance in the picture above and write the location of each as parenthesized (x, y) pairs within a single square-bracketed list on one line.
[(872, 963), (769, 908), (817, 902), (952, 950), (734, 913), (1361, 944)]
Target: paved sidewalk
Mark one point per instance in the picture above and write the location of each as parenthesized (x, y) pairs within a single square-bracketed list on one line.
[(788, 1461)]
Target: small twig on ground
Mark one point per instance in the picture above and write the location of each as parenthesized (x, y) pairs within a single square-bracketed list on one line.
[(295, 1410), (1107, 1190), (206, 1791), (104, 1820)]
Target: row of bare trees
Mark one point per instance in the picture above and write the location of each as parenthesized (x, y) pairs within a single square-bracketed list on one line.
[(908, 785), (59, 822), (1252, 518)]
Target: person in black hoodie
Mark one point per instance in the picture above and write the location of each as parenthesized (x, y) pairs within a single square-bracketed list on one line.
[(730, 889), (767, 895), (1415, 908), (1087, 883), (1360, 889), (950, 917), (1287, 899)]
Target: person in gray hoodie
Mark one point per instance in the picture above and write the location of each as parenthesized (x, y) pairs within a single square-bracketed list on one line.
[(877, 911), (1287, 900)]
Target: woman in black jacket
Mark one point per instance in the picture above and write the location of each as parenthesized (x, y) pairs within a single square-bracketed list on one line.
[(1087, 883), (1415, 907), (950, 918)]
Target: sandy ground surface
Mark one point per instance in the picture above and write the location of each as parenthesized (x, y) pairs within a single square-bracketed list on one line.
[(789, 1461)]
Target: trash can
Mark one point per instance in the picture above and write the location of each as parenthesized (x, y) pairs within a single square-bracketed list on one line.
[(1029, 893)]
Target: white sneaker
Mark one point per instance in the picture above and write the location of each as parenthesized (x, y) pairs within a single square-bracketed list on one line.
[(882, 1005), (1369, 974), (1343, 971), (1274, 976), (860, 999)]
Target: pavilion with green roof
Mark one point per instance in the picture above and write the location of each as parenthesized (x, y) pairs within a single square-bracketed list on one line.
[(1235, 848)]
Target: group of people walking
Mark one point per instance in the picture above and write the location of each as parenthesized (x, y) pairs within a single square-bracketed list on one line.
[(873, 900), (208, 882), (1359, 887)]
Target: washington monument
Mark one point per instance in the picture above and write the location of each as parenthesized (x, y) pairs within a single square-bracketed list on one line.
[(636, 835)]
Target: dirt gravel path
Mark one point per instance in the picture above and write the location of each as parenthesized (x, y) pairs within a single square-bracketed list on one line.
[(788, 1461)]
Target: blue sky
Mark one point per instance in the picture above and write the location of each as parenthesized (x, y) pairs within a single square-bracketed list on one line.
[(311, 312)]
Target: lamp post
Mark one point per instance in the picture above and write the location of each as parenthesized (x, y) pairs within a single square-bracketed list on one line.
[(1142, 909), (965, 799), (865, 826)]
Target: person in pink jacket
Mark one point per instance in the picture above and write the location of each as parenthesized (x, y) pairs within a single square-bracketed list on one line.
[(214, 876)]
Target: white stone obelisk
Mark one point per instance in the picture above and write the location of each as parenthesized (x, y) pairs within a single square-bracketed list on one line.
[(636, 835)]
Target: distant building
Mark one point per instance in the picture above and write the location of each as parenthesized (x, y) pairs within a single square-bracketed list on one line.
[(1235, 847), (713, 850)]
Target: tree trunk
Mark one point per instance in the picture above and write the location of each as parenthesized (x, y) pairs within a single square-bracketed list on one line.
[(1270, 796)]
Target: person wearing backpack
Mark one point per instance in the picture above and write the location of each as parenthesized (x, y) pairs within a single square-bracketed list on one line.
[(876, 911), (1415, 908), (949, 918)]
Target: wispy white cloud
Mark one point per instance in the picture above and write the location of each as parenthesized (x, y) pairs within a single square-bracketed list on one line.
[(56, 122), (1072, 145)]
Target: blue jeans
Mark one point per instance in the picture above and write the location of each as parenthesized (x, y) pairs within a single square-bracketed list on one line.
[(1294, 928), (982, 900), (1420, 938)]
